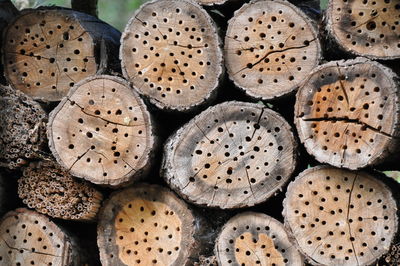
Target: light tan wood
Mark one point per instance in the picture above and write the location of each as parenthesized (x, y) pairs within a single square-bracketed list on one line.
[(232, 155), (366, 28), (346, 113), (339, 217), (147, 225), (270, 47), (171, 53), (22, 129), (255, 239), (102, 132), (47, 51), (51, 190), (29, 238)]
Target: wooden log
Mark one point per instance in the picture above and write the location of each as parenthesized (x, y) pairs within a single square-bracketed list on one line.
[(346, 113), (232, 155), (47, 51), (7, 12), (51, 190), (340, 217), (88, 6), (365, 28), (252, 238), (102, 132), (170, 52), (29, 238), (148, 224), (22, 129), (270, 48)]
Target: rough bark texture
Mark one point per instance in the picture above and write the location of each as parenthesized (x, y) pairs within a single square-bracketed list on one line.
[(339, 217), (51, 190), (46, 51), (29, 238), (270, 47), (148, 224), (365, 28), (102, 132), (171, 54), (232, 155), (255, 239), (22, 129), (347, 113)]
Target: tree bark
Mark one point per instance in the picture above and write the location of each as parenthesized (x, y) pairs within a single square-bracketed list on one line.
[(232, 155), (102, 132), (48, 50), (346, 113), (148, 224), (339, 217), (171, 54)]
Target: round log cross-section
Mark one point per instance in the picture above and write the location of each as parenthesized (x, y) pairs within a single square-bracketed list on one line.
[(22, 129), (46, 51), (232, 155), (255, 239), (29, 238), (366, 28), (147, 225), (270, 47), (102, 132), (346, 113), (171, 53), (51, 190), (339, 217)]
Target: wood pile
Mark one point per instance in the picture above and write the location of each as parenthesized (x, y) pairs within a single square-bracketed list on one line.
[(208, 132)]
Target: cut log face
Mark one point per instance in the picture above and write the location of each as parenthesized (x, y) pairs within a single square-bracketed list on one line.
[(255, 239), (232, 155), (146, 224), (346, 113), (22, 128), (29, 238), (366, 28), (47, 51), (51, 190), (102, 132), (270, 47), (171, 53), (339, 217)]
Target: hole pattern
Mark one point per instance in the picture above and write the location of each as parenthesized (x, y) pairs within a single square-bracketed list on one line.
[(270, 47), (22, 128), (52, 191), (345, 113), (145, 225), (171, 54), (255, 239), (236, 154), (101, 132), (27, 235), (368, 28), (340, 217), (47, 52)]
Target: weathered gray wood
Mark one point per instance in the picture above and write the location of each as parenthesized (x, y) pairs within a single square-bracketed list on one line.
[(232, 155)]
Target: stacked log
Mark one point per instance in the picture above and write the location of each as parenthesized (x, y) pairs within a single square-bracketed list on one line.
[(232, 155), (170, 52), (239, 180), (29, 238), (61, 46), (147, 224)]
